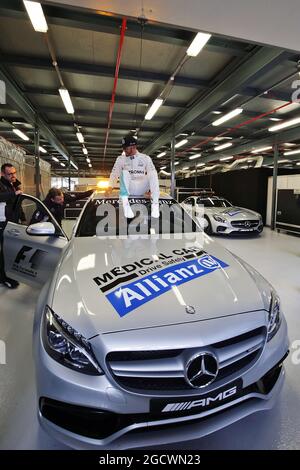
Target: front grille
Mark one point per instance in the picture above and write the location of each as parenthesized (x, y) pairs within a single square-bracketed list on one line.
[(164, 370), (244, 223)]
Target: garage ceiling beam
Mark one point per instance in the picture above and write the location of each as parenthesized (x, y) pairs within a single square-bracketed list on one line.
[(101, 70), (105, 97), (82, 19), (271, 95), (29, 113), (256, 66)]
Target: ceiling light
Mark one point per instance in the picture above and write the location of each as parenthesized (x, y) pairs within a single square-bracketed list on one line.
[(223, 146), (283, 125), (275, 119), (181, 143), (193, 171), (36, 15), (262, 149), (200, 164), (217, 112), (75, 166), (41, 149), (66, 99), (283, 161), (228, 116), (20, 134), (80, 137), (193, 157), (90, 165), (55, 159), (291, 152), (197, 44), (84, 150), (162, 154), (288, 144), (153, 108), (163, 167), (298, 163), (176, 163), (62, 164), (223, 159), (185, 168), (88, 160)]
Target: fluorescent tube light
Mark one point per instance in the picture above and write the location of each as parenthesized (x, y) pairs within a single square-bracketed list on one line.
[(62, 164), (227, 116), (283, 125), (153, 108), (223, 146), (66, 99), (75, 166), (197, 44), (36, 16), (223, 159), (55, 159), (80, 137), (42, 149), (291, 152), (262, 149), (20, 134), (181, 143), (162, 154), (193, 157)]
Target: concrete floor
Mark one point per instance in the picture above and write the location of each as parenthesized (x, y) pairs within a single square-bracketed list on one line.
[(276, 256)]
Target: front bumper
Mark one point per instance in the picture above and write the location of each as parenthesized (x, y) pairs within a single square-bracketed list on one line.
[(86, 428), (227, 228), (99, 415)]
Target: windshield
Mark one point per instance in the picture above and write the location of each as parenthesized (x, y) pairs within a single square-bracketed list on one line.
[(210, 202), (104, 217)]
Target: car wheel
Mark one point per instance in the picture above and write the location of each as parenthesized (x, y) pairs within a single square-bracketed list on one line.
[(208, 228)]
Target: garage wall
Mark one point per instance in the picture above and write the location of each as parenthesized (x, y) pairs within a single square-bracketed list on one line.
[(283, 182)]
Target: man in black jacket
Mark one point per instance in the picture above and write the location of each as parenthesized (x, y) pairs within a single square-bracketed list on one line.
[(9, 191), (56, 201)]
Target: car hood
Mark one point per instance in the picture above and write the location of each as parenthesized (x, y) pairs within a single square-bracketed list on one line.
[(234, 213), (110, 285)]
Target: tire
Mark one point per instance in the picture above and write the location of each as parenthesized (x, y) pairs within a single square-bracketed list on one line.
[(208, 229)]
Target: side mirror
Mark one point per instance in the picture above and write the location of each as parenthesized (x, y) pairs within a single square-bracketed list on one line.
[(41, 228)]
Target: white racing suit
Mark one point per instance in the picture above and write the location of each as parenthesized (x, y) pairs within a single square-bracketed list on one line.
[(137, 175)]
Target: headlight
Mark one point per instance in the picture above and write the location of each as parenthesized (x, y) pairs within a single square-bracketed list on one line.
[(219, 219), (274, 316), (67, 346)]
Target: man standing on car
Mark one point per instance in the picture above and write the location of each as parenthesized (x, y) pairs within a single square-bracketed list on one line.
[(56, 201), (9, 191), (137, 175)]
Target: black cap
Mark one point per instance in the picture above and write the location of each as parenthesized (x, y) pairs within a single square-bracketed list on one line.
[(128, 141)]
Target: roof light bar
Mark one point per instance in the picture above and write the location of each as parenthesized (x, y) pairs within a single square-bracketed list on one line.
[(197, 44)]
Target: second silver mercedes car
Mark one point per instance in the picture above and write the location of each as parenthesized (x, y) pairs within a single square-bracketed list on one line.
[(146, 331), (217, 215)]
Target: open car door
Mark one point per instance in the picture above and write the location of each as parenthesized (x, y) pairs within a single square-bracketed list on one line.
[(32, 250)]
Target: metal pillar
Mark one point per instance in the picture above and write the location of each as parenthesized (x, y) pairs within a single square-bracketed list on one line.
[(69, 174), (173, 163), (274, 188), (37, 176), (196, 175)]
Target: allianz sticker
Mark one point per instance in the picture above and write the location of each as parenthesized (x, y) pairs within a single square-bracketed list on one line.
[(151, 278)]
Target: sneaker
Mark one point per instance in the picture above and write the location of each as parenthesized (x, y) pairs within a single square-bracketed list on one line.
[(9, 283), (155, 210)]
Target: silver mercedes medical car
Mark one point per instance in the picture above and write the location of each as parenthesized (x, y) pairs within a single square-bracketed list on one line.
[(220, 216), (145, 333)]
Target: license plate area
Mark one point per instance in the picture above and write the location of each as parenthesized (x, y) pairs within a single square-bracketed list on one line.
[(183, 406)]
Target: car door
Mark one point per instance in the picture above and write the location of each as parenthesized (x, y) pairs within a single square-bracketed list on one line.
[(31, 258)]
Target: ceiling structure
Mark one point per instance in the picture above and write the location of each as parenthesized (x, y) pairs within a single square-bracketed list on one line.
[(83, 46)]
